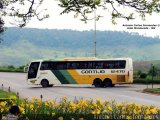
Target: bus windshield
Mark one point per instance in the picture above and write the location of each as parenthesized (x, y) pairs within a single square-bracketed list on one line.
[(32, 72)]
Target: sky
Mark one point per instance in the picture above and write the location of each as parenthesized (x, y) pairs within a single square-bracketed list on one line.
[(67, 21)]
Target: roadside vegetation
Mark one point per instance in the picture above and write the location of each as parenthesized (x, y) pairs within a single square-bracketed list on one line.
[(152, 75), (5, 95), (152, 90), (78, 109), (12, 68)]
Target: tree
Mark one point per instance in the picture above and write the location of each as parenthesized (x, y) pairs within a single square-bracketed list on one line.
[(23, 10), (85, 7), (153, 71), (1, 28), (1, 21)]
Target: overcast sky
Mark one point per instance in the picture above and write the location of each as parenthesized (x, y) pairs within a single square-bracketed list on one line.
[(67, 21)]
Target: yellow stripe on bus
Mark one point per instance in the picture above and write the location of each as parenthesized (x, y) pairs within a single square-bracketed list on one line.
[(88, 79)]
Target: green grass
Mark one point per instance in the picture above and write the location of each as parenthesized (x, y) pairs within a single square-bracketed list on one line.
[(4, 94), (152, 90)]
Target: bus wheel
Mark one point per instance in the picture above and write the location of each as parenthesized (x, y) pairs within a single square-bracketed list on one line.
[(112, 85), (107, 83), (51, 85), (45, 83), (97, 82)]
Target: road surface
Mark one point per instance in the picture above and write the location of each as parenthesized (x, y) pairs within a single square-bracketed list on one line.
[(119, 93)]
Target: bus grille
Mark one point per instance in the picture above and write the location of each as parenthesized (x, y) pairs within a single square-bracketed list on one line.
[(120, 78)]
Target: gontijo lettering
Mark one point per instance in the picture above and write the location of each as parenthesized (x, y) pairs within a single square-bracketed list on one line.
[(93, 71)]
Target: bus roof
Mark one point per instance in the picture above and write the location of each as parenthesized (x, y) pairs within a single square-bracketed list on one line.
[(82, 59)]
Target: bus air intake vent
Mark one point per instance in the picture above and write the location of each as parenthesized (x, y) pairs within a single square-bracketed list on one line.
[(121, 78)]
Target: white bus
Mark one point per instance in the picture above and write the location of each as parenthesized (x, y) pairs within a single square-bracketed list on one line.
[(98, 72)]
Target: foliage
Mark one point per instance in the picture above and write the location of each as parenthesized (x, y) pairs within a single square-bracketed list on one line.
[(153, 71), (81, 109), (146, 81), (12, 68), (85, 7), (1, 28), (143, 75), (22, 10), (4, 94)]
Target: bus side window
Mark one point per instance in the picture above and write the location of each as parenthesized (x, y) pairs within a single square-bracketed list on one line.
[(45, 66), (122, 64), (42, 67), (99, 65)]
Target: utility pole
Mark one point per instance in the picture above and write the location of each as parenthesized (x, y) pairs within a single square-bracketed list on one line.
[(95, 34), (152, 67)]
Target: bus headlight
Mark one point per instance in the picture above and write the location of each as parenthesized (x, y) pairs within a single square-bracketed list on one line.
[(33, 81)]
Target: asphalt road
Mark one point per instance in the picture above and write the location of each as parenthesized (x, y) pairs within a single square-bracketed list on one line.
[(119, 93)]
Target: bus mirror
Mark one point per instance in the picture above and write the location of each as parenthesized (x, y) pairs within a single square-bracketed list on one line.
[(25, 68)]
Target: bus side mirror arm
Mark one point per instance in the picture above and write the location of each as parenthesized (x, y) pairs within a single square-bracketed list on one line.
[(25, 69)]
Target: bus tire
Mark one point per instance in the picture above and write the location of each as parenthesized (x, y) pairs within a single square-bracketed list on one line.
[(112, 85), (97, 82), (45, 83), (51, 85), (107, 82)]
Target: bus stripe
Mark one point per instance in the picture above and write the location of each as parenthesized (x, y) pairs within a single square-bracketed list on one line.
[(64, 77)]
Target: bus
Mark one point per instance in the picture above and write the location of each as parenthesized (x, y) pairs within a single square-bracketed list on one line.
[(98, 72)]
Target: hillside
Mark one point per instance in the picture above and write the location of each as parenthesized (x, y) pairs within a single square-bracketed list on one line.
[(19, 46)]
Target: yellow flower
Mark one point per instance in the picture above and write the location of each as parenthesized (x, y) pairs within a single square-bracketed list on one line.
[(3, 104), (153, 111), (105, 111), (34, 99), (147, 118), (129, 117), (31, 106), (46, 103), (72, 105), (53, 114), (99, 101), (64, 98), (135, 111), (158, 109), (96, 112), (93, 112), (22, 109), (81, 118), (51, 102), (147, 112), (1, 110), (60, 118), (22, 105), (109, 108)]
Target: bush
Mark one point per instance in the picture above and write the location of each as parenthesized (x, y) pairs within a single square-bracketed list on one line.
[(143, 75), (145, 81)]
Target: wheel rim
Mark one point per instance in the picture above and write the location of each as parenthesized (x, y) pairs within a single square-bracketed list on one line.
[(107, 84)]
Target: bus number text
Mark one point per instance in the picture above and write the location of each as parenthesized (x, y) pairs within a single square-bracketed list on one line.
[(117, 71)]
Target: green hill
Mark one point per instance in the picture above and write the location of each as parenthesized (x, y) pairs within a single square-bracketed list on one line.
[(20, 45)]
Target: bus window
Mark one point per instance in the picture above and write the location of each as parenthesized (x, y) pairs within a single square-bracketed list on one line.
[(120, 64), (32, 73), (109, 65)]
